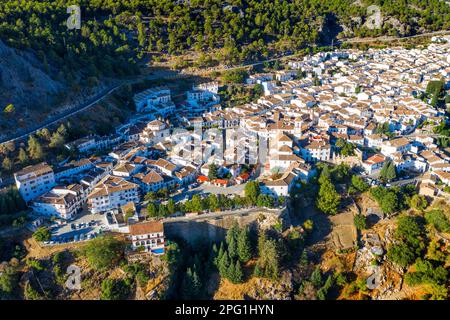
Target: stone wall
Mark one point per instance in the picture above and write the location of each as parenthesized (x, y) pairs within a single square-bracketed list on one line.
[(212, 229)]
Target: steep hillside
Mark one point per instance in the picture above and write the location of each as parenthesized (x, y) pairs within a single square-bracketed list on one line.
[(23, 81)]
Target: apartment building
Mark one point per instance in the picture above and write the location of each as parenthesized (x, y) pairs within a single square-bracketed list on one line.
[(111, 193), (35, 180), (61, 202)]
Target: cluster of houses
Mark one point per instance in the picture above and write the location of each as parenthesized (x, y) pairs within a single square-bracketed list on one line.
[(341, 95)]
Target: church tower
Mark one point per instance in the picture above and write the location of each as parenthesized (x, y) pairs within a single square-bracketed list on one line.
[(298, 126)]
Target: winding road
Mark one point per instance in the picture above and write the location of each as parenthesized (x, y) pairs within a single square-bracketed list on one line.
[(171, 75), (87, 104)]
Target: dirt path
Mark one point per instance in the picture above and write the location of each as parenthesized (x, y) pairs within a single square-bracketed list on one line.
[(35, 250)]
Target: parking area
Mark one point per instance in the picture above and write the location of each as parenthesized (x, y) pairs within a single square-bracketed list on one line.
[(187, 194), (84, 227)]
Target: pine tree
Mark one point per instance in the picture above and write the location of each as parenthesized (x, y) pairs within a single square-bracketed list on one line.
[(44, 134), (212, 173), (270, 259), (7, 164), (238, 276), (162, 211), (231, 239), (171, 206), (243, 245), (391, 172), (35, 149), (213, 202), (325, 174), (57, 141), (257, 272), (152, 210), (316, 278), (261, 242), (187, 286), (388, 171), (252, 191), (196, 285), (23, 157), (219, 255), (224, 262), (196, 203), (232, 248), (231, 272), (304, 258), (214, 253)]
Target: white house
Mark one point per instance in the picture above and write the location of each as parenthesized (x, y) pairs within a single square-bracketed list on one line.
[(389, 147), (149, 236), (374, 163), (156, 99), (316, 151)]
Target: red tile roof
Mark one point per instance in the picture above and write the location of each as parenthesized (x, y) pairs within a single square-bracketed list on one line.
[(202, 179)]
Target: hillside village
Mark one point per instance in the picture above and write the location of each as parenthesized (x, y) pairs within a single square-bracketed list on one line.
[(366, 109)]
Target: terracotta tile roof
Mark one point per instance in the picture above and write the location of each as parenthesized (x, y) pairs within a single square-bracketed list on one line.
[(38, 169), (146, 228)]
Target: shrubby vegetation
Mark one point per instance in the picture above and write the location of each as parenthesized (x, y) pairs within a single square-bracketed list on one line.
[(212, 202), (360, 222), (345, 148), (409, 241), (12, 208), (104, 252), (9, 280), (395, 199), (115, 289), (42, 234), (115, 34), (358, 185), (11, 202), (328, 199), (438, 219)]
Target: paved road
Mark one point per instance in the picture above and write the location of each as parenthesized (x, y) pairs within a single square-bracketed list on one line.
[(405, 182), (222, 214), (413, 135), (205, 189), (89, 103), (70, 113), (110, 90), (387, 38), (351, 40)]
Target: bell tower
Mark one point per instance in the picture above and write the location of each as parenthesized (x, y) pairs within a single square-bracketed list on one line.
[(298, 126)]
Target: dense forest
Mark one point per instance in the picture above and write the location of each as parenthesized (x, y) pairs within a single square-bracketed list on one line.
[(115, 33)]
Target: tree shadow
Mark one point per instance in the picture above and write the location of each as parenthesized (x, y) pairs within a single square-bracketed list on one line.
[(330, 30), (321, 223)]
